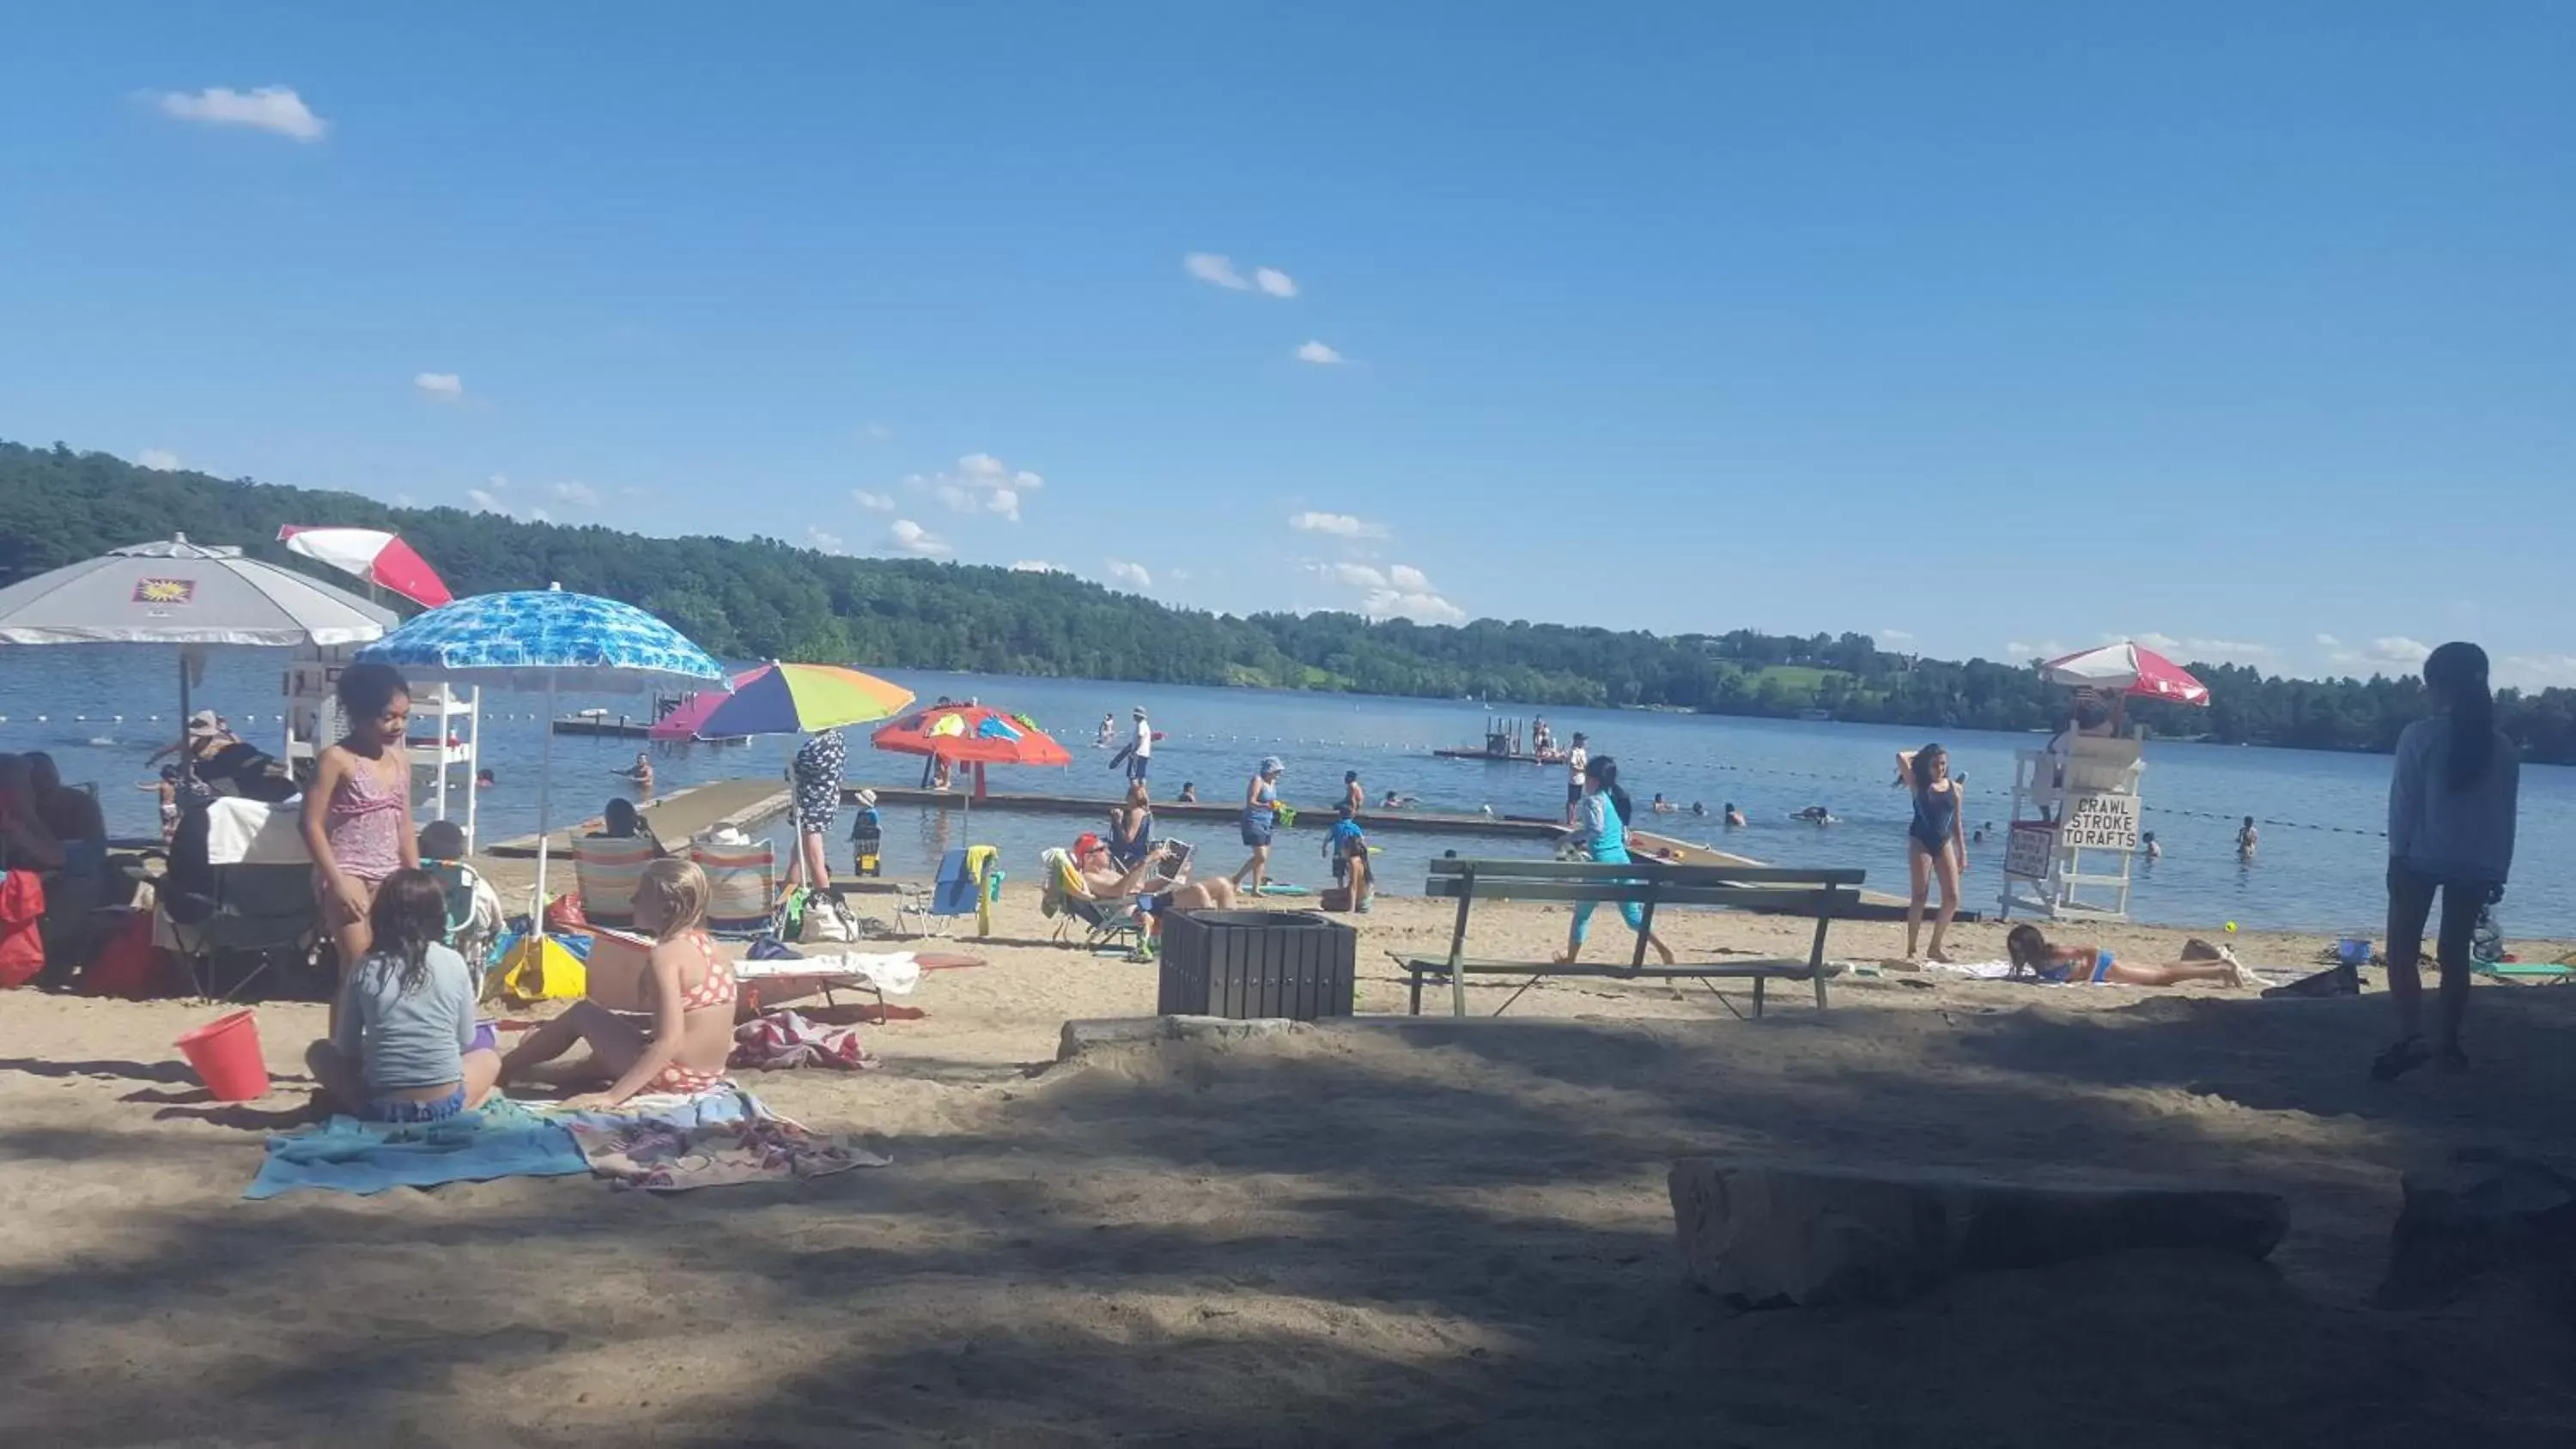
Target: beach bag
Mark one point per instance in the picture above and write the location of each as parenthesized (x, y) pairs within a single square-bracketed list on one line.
[(564, 913), (22, 937), (541, 968), (827, 921)]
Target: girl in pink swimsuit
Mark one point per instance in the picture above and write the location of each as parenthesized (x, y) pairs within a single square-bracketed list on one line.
[(692, 989), (357, 811)]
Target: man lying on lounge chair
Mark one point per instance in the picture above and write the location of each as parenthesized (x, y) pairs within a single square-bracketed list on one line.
[(1160, 883)]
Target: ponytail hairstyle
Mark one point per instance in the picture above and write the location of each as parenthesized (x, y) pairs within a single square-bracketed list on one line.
[(2456, 675), (409, 916), (1603, 773), (2028, 949)]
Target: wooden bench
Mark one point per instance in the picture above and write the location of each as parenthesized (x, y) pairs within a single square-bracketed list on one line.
[(1822, 894)]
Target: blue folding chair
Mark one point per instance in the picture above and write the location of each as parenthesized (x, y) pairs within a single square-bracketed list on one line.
[(954, 893)]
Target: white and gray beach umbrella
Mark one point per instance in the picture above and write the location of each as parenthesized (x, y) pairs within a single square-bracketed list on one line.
[(175, 592)]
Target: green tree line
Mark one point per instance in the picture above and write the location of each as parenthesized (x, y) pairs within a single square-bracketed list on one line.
[(763, 599)]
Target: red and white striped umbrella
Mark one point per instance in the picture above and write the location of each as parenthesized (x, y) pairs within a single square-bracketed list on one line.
[(2127, 668), (380, 558)]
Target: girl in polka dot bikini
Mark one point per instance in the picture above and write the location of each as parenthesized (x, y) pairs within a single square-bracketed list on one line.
[(692, 989)]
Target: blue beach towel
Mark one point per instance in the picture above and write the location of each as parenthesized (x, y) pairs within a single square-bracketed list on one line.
[(347, 1155)]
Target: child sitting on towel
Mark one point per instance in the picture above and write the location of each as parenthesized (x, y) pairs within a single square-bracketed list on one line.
[(403, 1047), (2031, 952)]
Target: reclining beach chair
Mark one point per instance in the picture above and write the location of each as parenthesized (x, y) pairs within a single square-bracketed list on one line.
[(957, 891), (609, 869), (1068, 900), (742, 886)]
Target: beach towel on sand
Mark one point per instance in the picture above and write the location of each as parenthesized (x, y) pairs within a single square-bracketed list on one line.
[(659, 1157), (777, 1040), (344, 1154)]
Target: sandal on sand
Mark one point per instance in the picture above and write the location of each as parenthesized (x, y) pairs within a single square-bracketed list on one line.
[(2400, 1058)]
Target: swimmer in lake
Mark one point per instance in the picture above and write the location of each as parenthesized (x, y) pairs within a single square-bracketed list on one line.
[(1816, 815), (1734, 818)]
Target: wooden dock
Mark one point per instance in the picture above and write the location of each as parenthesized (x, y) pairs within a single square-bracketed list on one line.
[(1491, 758), (676, 816), (1317, 817), (600, 727)]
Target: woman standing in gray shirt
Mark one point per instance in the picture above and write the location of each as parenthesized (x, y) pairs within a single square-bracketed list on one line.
[(2451, 803)]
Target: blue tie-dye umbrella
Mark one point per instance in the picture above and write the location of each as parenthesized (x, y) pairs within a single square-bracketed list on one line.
[(542, 639)]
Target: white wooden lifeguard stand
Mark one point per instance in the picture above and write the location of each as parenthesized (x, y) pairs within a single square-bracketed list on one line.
[(2074, 831), (452, 746)]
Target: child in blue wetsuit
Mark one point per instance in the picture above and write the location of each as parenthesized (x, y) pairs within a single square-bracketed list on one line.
[(1601, 833)]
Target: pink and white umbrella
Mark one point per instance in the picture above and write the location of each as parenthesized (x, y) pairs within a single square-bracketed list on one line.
[(380, 558), (2127, 668)]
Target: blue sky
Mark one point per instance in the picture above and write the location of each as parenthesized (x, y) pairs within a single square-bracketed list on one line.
[(1984, 328)]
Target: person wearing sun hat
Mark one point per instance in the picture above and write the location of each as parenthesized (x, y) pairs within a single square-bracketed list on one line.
[(1260, 819), (867, 836)]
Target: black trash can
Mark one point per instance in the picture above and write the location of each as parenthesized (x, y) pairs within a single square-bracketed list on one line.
[(1245, 964)]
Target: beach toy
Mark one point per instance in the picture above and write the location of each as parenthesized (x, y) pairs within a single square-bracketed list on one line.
[(2231, 928), (224, 1053), (487, 1036)]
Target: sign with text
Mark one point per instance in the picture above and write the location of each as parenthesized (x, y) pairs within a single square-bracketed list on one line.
[(2028, 850), (2101, 822)]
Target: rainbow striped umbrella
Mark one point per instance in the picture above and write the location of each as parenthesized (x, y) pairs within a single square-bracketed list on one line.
[(784, 699)]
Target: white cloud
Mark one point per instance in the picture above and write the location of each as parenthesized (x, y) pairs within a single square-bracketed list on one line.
[(2045, 649), (1319, 354), (402, 500), (1275, 282), (873, 502), (2397, 650), (1035, 566), (1135, 576), (1180, 576), (159, 460), (576, 495), (1339, 525), (1213, 268), (2161, 643), (1357, 575), (1894, 636), (980, 483), (444, 386), (2329, 641), (276, 109), (878, 433), (1422, 608), (909, 537), (1409, 579), (821, 542)]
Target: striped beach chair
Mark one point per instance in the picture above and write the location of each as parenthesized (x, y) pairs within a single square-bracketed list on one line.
[(742, 882), (609, 868)]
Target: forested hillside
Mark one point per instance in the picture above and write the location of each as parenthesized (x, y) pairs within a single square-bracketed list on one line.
[(761, 598)]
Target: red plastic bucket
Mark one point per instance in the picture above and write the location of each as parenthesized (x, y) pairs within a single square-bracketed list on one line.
[(225, 1053)]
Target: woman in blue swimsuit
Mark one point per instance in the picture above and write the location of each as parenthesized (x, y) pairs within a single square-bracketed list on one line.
[(1933, 847), (2078, 965)]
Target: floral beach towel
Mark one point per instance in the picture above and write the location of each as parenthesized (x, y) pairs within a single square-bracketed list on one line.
[(662, 1157)]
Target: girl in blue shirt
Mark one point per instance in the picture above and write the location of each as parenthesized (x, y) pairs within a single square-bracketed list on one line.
[(1601, 833)]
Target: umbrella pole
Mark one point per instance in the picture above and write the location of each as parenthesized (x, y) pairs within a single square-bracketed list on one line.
[(545, 803), (186, 765)]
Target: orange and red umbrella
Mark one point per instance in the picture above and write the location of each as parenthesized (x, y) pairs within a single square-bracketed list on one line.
[(971, 734)]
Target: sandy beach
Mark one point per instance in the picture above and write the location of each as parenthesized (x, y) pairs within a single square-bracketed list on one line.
[(1384, 1231)]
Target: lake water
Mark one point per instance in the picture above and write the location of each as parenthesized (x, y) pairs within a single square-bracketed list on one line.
[(2320, 867)]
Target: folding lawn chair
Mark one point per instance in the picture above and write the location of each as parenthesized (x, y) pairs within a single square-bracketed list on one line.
[(742, 886), (609, 869), (1069, 901), (956, 892), (263, 912)]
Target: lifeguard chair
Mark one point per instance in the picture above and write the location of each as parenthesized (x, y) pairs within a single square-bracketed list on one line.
[(2074, 833)]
